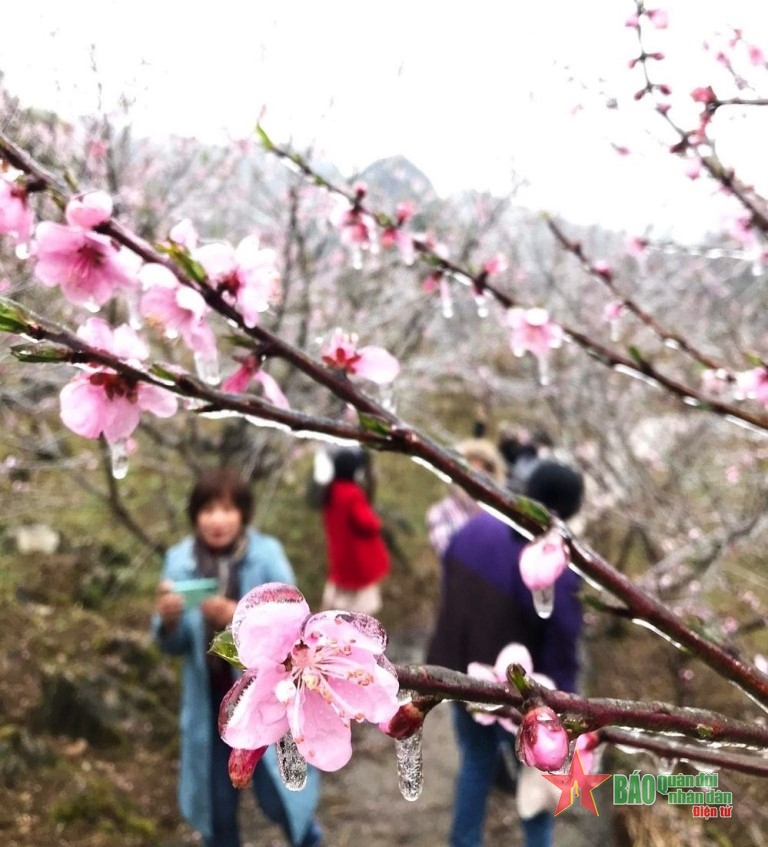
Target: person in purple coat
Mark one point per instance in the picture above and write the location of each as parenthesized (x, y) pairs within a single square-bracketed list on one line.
[(484, 605)]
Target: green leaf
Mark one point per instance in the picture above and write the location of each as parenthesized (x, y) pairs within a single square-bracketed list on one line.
[(164, 373), (180, 255), (13, 318), (373, 423), (636, 355), (223, 645), (41, 353), (533, 510), (266, 141)]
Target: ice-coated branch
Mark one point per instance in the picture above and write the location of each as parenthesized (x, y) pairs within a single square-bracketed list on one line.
[(581, 714)]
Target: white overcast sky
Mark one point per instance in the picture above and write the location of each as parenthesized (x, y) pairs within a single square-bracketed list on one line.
[(471, 92)]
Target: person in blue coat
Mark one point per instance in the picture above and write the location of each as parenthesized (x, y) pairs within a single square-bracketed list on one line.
[(233, 558)]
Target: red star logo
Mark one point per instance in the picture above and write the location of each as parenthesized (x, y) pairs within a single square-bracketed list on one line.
[(576, 783)]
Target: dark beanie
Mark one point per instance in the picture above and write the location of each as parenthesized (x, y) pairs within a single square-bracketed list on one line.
[(557, 487), (346, 463)]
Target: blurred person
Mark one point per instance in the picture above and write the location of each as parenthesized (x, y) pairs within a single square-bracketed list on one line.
[(484, 605), (358, 558), (448, 515), (232, 558)]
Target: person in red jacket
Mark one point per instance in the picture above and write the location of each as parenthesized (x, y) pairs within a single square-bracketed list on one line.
[(358, 559)]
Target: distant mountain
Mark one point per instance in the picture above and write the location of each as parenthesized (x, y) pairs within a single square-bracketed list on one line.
[(397, 178)]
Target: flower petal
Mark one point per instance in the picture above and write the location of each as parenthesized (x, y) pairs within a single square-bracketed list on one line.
[(267, 622), (251, 716), (377, 364), (323, 738)]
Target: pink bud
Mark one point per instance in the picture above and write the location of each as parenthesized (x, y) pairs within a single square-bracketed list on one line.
[(242, 764), (407, 720), (703, 95), (542, 561), (542, 742)]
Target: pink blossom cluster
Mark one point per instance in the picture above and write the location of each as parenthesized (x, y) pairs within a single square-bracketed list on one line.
[(512, 654), (307, 675), (102, 401), (341, 352)]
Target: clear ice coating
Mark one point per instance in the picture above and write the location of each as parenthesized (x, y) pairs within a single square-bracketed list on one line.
[(410, 776), (544, 601), (293, 768), (118, 456), (387, 398), (481, 304), (207, 368), (543, 367)]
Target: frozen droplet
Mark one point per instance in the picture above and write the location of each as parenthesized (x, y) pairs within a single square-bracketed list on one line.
[(131, 299), (118, 455), (544, 601), (446, 300), (356, 258), (615, 329), (410, 776), (544, 375), (387, 398), (672, 343), (667, 765), (207, 367), (22, 251), (481, 304), (293, 768)]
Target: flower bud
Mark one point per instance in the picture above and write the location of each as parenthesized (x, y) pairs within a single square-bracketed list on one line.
[(409, 718), (242, 764), (542, 742)]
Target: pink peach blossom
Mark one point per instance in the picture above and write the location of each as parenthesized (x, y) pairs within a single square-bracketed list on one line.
[(753, 385), (756, 55), (402, 240), (533, 332), (703, 95), (247, 276), (104, 401), (543, 560), (87, 266), (511, 654), (496, 265), (16, 217), (374, 363), (88, 210), (658, 17), (184, 234), (177, 308), (250, 369), (310, 675)]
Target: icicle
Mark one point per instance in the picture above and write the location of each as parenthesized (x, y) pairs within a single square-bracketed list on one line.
[(446, 301), (481, 304), (293, 768), (667, 765), (356, 257), (410, 777), (118, 454), (387, 398), (544, 375), (207, 367), (544, 601), (615, 330), (132, 304)]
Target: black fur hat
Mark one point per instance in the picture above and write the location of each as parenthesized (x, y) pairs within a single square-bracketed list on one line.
[(557, 486)]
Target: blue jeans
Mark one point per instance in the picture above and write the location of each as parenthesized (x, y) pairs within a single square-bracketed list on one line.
[(479, 752), (226, 832)]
